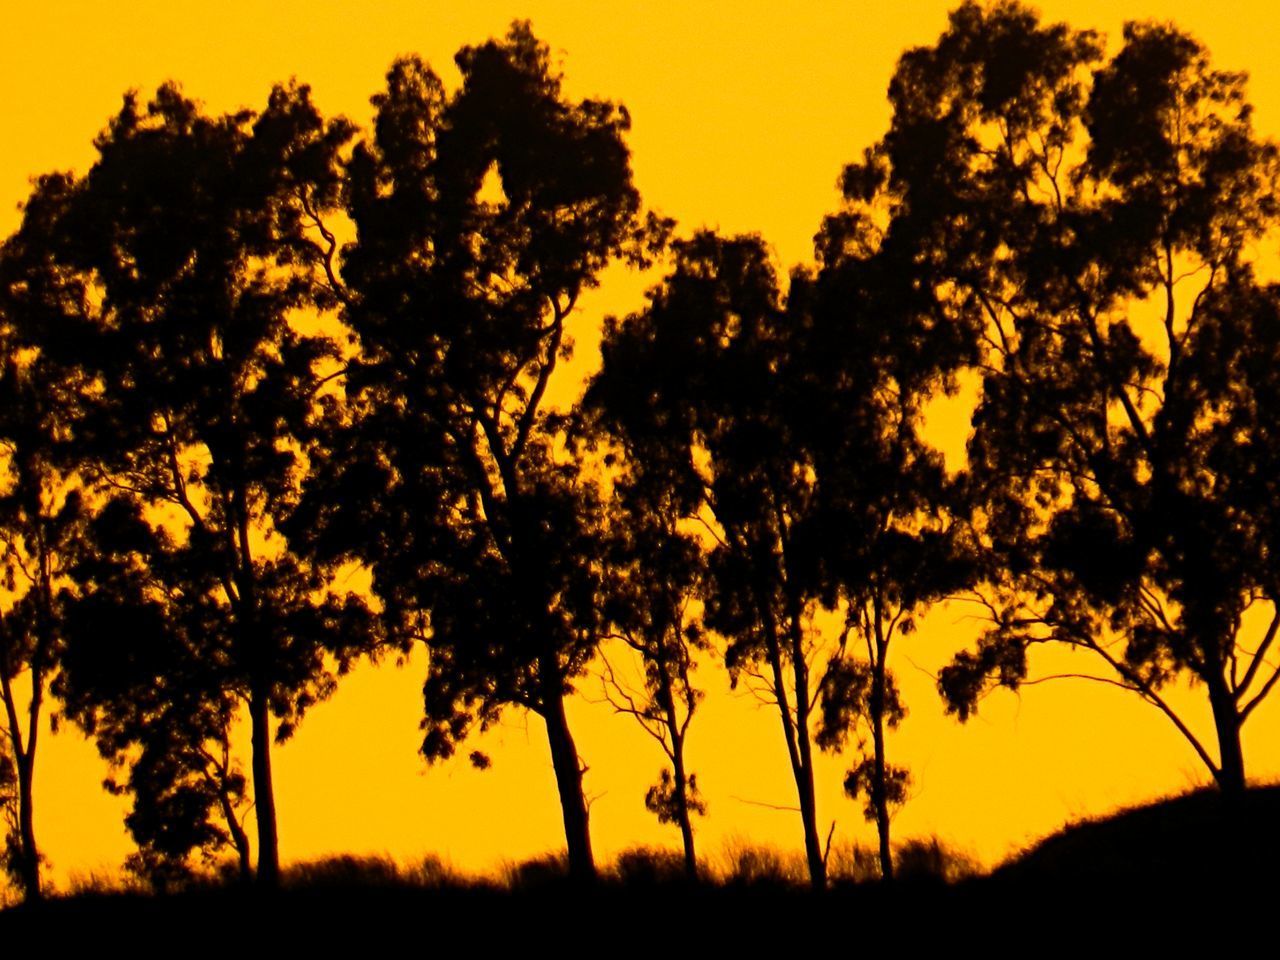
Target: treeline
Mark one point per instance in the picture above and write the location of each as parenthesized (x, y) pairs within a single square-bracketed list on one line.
[(246, 354)]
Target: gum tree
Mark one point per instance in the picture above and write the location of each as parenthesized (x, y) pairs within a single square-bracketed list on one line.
[(480, 218), (1091, 224), (654, 583), (173, 277), (43, 512), (696, 386)]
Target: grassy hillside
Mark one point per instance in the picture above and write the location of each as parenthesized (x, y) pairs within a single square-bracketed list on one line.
[(1153, 870), (1195, 840)]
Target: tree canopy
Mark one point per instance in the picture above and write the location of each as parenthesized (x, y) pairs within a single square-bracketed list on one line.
[(43, 514), (1089, 224), (480, 218), (171, 278)]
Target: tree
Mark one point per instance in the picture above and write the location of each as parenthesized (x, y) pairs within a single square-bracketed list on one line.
[(791, 431), (480, 218), (44, 510), (147, 677), (654, 573), (1089, 224), (173, 277), (700, 386), (887, 538), (42, 513)]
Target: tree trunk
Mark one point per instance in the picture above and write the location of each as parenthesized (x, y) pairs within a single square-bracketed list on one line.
[(682, 805), (1226, 720), (804, 768), (573, 805), (29, 853), (263, 795), (24, 761), (667, 699), (238, 837), (799, 752), (809, 812), (880, 786)]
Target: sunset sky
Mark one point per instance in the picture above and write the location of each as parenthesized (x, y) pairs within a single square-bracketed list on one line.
[(743, 115)]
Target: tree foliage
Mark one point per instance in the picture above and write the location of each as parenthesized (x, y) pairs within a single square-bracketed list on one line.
[(480, 216), (653, 592), (172, 278), (697, 384), (156, 689), (1088, 223), (43, 513)]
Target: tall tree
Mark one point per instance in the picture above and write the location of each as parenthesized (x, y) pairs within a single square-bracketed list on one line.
[(146, 674), (1090, 223), (793, 431), (886, 542), (176, 275), (654, 583), (700, 383), (480, 218), (42, 511)]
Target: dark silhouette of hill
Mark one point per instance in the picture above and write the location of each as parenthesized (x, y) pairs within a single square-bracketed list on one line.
[(1197, 841)]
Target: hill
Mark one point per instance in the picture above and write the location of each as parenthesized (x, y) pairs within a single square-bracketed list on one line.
[(1198, 840)]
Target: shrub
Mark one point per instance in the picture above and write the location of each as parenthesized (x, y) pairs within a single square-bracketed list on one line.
[(648, 866), (540, 871), (742, 862), (344, 870), (930, 859)]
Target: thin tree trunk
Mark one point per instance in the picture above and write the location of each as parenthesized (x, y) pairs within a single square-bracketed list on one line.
[(804, 772), (29, 852), (263, 794), (568, 769), (880, 788), (809, 813), (24, 757), (667, 700), (682, 804), (238, 837), (800, 755)]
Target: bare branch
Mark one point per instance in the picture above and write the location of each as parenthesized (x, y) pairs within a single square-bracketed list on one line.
[(767, 806), (1261, 695), (1258, 656), (338, 288)]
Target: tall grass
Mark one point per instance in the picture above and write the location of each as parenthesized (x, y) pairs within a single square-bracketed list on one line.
[(739, 863), (372, 871)]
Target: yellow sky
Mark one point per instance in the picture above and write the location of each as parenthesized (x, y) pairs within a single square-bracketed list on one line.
[(743, 115)]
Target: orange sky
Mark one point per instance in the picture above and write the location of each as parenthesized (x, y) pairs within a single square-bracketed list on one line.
[(743, 116)]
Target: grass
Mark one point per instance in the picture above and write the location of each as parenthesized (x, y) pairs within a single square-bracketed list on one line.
[(1156, 860), (349, 870)]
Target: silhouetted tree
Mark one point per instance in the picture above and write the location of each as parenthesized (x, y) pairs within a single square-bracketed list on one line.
[(480, 218), (42, 513), (36, 517), (885, 540), (701, 387), (149, 674), (174, 276), (188, 795), (654, 573), (1089, 224)]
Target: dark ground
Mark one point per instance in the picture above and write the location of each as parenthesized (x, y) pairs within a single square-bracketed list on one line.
[(1184, 869)]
